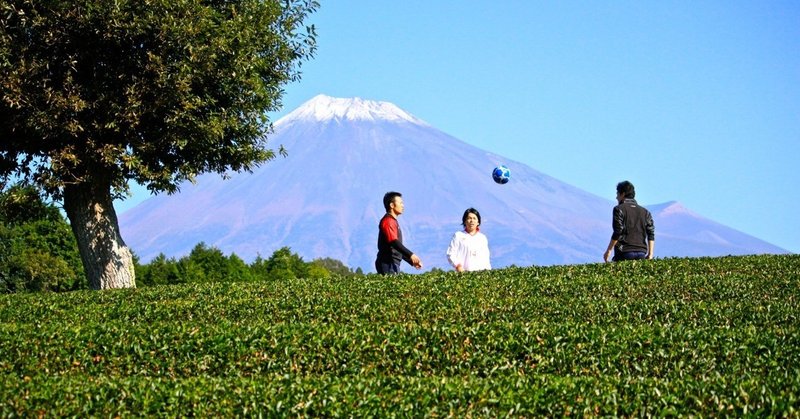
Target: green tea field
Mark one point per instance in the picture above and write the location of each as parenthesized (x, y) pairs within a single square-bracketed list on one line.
[(698, 337)]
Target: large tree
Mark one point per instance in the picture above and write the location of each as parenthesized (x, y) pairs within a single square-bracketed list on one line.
[(95, 94)]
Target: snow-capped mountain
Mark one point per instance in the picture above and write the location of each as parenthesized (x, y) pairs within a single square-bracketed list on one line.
[(325, 200), (326, 108)]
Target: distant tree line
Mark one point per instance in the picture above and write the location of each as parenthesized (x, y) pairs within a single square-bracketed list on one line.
[(38, 252), (209, 264)]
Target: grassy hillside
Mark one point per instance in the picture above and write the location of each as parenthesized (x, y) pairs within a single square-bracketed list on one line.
[(711, 336)]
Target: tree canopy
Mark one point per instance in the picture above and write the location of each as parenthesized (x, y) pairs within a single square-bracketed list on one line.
[(152, 91)]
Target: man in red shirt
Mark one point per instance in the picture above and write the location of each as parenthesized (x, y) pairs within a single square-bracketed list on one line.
[(390, 239)]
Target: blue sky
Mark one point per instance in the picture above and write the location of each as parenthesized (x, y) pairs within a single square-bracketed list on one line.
[(697, 102)]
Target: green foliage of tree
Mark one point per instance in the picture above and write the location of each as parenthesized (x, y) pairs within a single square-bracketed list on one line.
[(95, 94), (190, 271), (20, 204), (238, 269), (204, 264), (314, 270), (259, 269), (334, 266), (160, 271), (283, 264), (37, 249), (208, 264), (35, 270)]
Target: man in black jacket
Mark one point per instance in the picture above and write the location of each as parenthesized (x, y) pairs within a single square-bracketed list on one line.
[(634, 233)]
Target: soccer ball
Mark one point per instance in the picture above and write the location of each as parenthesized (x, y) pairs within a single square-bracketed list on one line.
[(501, 175)]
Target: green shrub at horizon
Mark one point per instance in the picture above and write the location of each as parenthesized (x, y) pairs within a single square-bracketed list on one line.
[(707, 336)]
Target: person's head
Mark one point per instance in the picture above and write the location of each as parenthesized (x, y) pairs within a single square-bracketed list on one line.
[(471, 219), (393, 203), (625, 190)]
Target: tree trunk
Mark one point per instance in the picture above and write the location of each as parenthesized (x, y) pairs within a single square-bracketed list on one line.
[(106, 259)]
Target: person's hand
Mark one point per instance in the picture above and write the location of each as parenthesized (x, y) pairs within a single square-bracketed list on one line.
[(459, 268), (606, 255), (416, 262)]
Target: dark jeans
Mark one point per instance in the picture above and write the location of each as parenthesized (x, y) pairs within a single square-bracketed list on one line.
[(384, 268), (618, 256)]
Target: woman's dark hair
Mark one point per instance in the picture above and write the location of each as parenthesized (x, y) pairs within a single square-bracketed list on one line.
[(468, 212)]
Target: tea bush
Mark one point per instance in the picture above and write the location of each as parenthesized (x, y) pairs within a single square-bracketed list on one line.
[(704, 337)]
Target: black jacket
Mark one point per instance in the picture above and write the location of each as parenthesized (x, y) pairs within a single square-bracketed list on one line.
[(633, 227)]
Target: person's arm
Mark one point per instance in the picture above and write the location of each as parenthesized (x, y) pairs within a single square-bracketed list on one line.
[(453, 254), (611, 244), (487, 255), (406, 252), (651, 236), (408, 255), (617, 224)]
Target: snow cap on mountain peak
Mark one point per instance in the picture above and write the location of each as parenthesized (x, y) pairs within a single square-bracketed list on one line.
[(323, 108), (672, 208)]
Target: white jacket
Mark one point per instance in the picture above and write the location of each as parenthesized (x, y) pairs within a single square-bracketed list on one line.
[(469, 251)]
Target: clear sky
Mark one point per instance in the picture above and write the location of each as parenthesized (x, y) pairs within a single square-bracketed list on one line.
[(696, 102)]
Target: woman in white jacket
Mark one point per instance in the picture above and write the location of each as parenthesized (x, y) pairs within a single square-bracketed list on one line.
[(469, 249)]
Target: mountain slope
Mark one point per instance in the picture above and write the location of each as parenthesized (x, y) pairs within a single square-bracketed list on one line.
[(325, 199)]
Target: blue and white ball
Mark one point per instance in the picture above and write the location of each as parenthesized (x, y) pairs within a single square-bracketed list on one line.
[(501, 174)]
